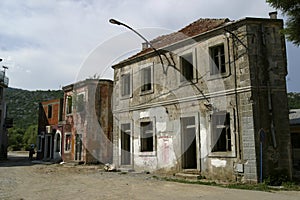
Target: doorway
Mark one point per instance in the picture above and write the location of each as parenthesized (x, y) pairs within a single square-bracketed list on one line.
[(78, 146), (125, 144), (188, 143)]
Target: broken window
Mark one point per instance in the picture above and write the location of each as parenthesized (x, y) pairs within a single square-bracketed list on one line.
[(221, 136), (217, 55), (69, 104), (49, 111), (146, 79), (147, 136), (186, 67), (68, 142), (125, 84), (80, 102)]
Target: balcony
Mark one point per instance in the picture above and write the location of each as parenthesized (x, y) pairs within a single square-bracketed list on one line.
[(3, 79)]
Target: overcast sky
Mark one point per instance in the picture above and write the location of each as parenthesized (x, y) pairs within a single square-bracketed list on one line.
[(49, 44)]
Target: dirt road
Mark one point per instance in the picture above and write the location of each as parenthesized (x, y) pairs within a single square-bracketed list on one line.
[(22, 179)]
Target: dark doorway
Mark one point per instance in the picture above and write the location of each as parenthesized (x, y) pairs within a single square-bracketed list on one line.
[(78, 146), (188, 141), (125, 144)]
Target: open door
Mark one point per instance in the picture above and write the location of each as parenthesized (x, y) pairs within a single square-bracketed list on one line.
[(125, 144), (188, 141)]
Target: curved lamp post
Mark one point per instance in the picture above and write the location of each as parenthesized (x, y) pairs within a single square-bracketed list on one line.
[(113, 21)]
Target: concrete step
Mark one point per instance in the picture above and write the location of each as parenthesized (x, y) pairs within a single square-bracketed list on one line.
[(189, 176)]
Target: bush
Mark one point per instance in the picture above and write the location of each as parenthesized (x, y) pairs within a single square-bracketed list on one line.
[(277, 177)]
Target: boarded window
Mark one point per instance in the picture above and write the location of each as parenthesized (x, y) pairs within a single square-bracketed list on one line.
[(80, 102), (125, 81)]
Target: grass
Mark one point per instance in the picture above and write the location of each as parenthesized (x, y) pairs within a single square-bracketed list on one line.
[(286, 186)]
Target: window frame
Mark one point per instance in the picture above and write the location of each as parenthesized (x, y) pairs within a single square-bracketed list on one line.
[(129, 85), (69, 104), (154, 138), (150, 77), (230, 149), (218, 68), (182, 79), (49, 111), (68, 143)]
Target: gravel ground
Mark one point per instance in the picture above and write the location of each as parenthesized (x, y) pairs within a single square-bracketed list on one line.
[(23, 179)]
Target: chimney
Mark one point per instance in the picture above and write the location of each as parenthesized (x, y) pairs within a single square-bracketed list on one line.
[(273, 15), (144, 45)]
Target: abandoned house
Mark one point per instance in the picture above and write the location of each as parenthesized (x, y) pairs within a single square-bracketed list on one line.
[(49, 134), (5, 122), (204, 100), (295, 140), (87, 134)]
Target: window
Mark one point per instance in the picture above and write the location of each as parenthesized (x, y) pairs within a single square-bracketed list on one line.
[(221, 136), (147, 136), (80, 103), (217, 54), (69, 104), (186, 67), (146, 79), (125, 84), (49, 111), (68, 142)]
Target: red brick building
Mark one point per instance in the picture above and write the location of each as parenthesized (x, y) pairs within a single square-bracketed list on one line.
[(49, 133)]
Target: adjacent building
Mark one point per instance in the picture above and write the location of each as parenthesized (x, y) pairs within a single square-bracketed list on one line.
[(205, 101), (87, 130), (4, 121), (49, 131)]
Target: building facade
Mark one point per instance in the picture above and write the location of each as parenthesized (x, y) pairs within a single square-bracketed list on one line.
[(49, 141), (206, 101), (88, 121), (4, 121)]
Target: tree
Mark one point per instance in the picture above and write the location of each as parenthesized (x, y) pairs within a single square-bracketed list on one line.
[(30, 136), (290, 8)]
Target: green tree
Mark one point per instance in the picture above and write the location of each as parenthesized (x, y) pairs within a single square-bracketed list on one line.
[(30, 136), (290, 8), (15, 138)]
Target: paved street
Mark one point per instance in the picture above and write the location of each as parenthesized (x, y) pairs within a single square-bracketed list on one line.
[(22, 179)]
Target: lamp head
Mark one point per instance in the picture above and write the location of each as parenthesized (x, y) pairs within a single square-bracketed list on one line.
[(113, 21)]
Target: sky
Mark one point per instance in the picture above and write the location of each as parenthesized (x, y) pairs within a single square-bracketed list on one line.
[(48, 44)]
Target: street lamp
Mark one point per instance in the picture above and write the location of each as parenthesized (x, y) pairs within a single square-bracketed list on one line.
[(116, 22)]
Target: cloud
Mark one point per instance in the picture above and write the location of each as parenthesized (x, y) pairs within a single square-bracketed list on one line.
[(53, 39)]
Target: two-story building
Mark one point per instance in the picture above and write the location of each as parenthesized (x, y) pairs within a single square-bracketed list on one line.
[(87, 112), (205, 101), (49, 141)]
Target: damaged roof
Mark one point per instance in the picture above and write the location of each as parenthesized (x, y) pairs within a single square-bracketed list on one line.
[(196, 28)]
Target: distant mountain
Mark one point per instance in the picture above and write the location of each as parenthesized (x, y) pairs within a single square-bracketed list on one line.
[(23, 105)]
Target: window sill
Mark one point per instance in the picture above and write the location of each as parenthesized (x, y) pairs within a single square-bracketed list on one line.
[(142, 93), (125, 97), (218, 76), (147, 154), (227, 154)]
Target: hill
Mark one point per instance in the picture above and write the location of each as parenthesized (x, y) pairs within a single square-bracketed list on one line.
[(23, 105)]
